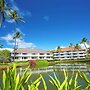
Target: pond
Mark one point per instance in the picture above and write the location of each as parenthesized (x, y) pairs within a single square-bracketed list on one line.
[(71, 69)]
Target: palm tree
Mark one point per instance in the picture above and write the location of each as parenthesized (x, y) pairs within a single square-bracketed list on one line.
[(15, 37), (58, 48), (14, 16), (84, 41), (77, 47), (3, 8), (70, 45)]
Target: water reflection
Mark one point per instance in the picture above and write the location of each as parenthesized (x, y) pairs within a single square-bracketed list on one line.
[(60, 67)]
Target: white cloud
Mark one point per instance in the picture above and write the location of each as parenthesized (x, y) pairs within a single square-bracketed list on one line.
[(46, 18), (8, 37), (10, 49), (10, 21), (26, 13), (83, 46), (21, 43)]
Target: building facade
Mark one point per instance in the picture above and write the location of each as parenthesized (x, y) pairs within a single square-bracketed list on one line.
[(69, 53), (24, 54)]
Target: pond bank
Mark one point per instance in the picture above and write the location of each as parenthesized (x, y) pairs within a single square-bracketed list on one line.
[(39, 63)]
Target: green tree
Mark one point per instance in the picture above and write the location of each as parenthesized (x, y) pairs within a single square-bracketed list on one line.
[(58, 48), (15, 37), (14, 15), (77, 47), (70, 45), (5, 56), (3, 11), (84, 41)]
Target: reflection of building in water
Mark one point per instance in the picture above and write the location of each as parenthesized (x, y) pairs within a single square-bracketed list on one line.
[(69, 53), (60, 68)]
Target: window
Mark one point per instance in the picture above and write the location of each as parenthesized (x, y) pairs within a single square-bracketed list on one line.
[(56, 54), (41, 53), (61, 54), (15, 53), (62, 57), (16, 57), (34, 57), (81, 56), (33, 53), (68, 54), (74, 53), (74, 56), (24, 53), (48, 57), (41, 57), (48, 53), (25, 57), (80, 53)]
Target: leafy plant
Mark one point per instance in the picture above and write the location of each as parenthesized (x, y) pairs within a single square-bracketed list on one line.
[(12, 80), (66, 84), (86, 79)]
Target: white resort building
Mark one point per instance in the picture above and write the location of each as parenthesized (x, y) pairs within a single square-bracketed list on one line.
[(69, 53), (24, 54)]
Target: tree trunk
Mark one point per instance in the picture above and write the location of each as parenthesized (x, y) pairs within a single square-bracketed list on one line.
[(1, 19), (86, 50), (15, 50), (15, 41)]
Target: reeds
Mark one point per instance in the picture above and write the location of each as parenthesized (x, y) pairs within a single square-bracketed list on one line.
[(14, 81)]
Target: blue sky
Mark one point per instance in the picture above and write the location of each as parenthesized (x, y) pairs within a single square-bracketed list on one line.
[(49, 23)]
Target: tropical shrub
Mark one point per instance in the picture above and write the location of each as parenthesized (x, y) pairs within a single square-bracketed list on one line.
[(4, 56), (12, 80)]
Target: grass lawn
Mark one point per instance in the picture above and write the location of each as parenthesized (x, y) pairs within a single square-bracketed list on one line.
[(39, 63), (18, 64)]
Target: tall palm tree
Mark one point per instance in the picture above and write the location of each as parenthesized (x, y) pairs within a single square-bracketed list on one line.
[(70, 45), (58, 48), (14, 16), (3, 8), (84, 41), (15, 37), (77, 47)]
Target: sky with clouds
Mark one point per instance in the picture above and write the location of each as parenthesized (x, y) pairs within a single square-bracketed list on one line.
[(49, 23)]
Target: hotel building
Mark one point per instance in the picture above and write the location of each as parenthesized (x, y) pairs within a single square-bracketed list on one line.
[(24, 54), (69, 53)]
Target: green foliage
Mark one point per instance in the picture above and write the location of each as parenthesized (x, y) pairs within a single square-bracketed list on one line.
[(4, 55), (58, 48), (67, 84), (87, 80), (14, 81), (41, 63)]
